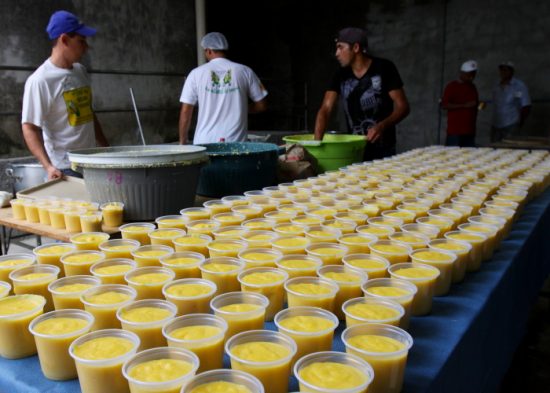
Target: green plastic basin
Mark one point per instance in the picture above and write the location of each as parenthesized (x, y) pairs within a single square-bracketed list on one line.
[(334, 151)]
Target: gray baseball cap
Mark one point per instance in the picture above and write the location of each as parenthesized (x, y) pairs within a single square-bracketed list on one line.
[(215, 41)]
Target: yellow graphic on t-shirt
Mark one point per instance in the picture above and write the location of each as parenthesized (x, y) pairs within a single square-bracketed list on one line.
[(79, 105)]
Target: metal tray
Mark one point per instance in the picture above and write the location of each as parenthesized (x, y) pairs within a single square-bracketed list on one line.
[(68, 187)]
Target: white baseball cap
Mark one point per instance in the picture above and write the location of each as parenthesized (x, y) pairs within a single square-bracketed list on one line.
[(215, 41), (469, 66)]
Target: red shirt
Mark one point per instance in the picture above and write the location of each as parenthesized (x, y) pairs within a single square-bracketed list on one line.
[(460, 121)]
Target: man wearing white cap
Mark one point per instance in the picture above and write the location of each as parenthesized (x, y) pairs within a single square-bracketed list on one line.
[(512, 104), (460, 99), (221, 89)]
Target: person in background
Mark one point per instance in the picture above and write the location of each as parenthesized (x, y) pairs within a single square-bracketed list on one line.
[(371, 91), (512, 104), (461, 100), (221, 89), (57, 113)]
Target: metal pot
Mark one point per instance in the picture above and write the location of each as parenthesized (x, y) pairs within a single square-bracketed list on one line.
[(26, 175)]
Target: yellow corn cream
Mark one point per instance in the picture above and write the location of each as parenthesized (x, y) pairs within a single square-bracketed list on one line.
[(184, 266), (35, 283), (115, 269), (443, 261), (137, 232), (221, 387), (146, 321), (9, 265), (192, 243), (51, 255), (103, 348), (388, 291), (372, 266), (311, 333), (210, 352), (80, 262), (171, 223), (415, 272), (164, 237), (145, 314), (16, 312), (123, 251), (190, 296), (241, 317), (394, 253), (68, 296), (477, 242), (150, 257), (299, 267), (380, 231), (268, 282), (148, 285), (110, 297), (112, 214), (311, 294), (362, 312), (425, 279), (188, 290), (89, 241), (332, 375), (310, 289), (103, 306), (160, 370)]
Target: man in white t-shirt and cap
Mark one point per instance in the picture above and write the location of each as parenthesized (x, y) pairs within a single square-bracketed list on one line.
[(221, 89), (512, 104), (57, 111)]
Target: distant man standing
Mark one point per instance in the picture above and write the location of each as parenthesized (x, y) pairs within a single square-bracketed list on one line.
[(221, 89), (460, 99), (371, 91), (57, 111), (512, 104)]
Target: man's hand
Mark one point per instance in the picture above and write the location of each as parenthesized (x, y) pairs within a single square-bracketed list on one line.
[(373, 133), (53, 173)]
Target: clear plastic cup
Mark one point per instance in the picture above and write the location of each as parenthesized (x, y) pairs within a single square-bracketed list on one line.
[(360, 219), (57, 220), (34, 280), (190, 243), (319, 235), (226, 248), (372, 310), (79, 262), (202, 227), (443, 261), (138, 231), (242, 311), (259, 239), (305, 367), (53, 346), (312, 292), (415, 240), (172, 221), (394, 289), (50, 254), (43, 213), (490, 231), (202, 334), (165, 236), (216, 206), (190, 295), (267, 205), (248, 211), (104, 301), (259, 224), (274, 372), (382, 232), (388, 366), (91, 221), (393, 222), (477, 241), (146, 319), (393, 251), (237, 379), (460, 249), (298, 265), (94, 374), (280, 216), (499, 222), (233, 232), (235, 200), (16, 341), (424, 280), (72, 219), (120, 248), (195, 213), (31, 211), (18, 210), (89, 240), (357, 243), (406, 216), (373, 266), (229, 219), (444, 224), (66, 291), (342, 225), (260, 257), (268, 282), (5, 288), (329, 253), (312, 328), (150, 255), (223, 272), (183, 264), (430, 231), (112, 271), (349, 281), (148, 281), (113, 213), (11, 262)]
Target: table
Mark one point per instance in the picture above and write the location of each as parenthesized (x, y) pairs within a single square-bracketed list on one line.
[(7, 221), (465, 345)]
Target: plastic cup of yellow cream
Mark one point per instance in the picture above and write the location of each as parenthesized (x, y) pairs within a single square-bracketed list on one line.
[(331, 371), (222, 381), (260, 257), (99, 357), (223, 272), (5, 288), (165, 236), (16, 313), (385, 348), (34, 280), (11, 262), (51, 254), (298, 265), (146, 319), (148, 281), (89, 240), (173, 221), (291, 229), (202, 227), (241, 310), (265, 354), (150, 255), (119, 248), (430, 231), (183, 264), (202, 334), (393, 251), (190, 295), (18, 209), (226, 248), (216, 206), (318, 234), (394, 289), (53, 333), (79, 262), (113, 213), (91, 221), (443, 261), (268, 282), (103, 301), (477, 241), (195, 213), (373, 266), (382, 232), (230, 232), (112, 271), (31, 211), (329, 253), (372, 310), (66, 291), (357, 243), (311, 291), (229, 219), (258, 239), (193, 243), (460, 249), (137, 231), (312, 328)]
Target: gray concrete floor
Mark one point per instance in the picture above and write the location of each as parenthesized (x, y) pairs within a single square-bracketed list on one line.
[(530, 368)]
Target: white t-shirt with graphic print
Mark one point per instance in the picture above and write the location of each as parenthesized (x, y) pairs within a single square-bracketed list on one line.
[(221, 89), (59, 101)]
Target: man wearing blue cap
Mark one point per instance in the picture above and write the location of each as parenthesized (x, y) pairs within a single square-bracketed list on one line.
[(371, 92), (221, 88), (57, 111)]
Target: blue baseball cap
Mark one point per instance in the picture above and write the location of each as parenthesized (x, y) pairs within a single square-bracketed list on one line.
[(65, 22)]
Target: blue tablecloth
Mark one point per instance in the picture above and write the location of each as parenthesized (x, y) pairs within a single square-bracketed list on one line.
[(465, 345)]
